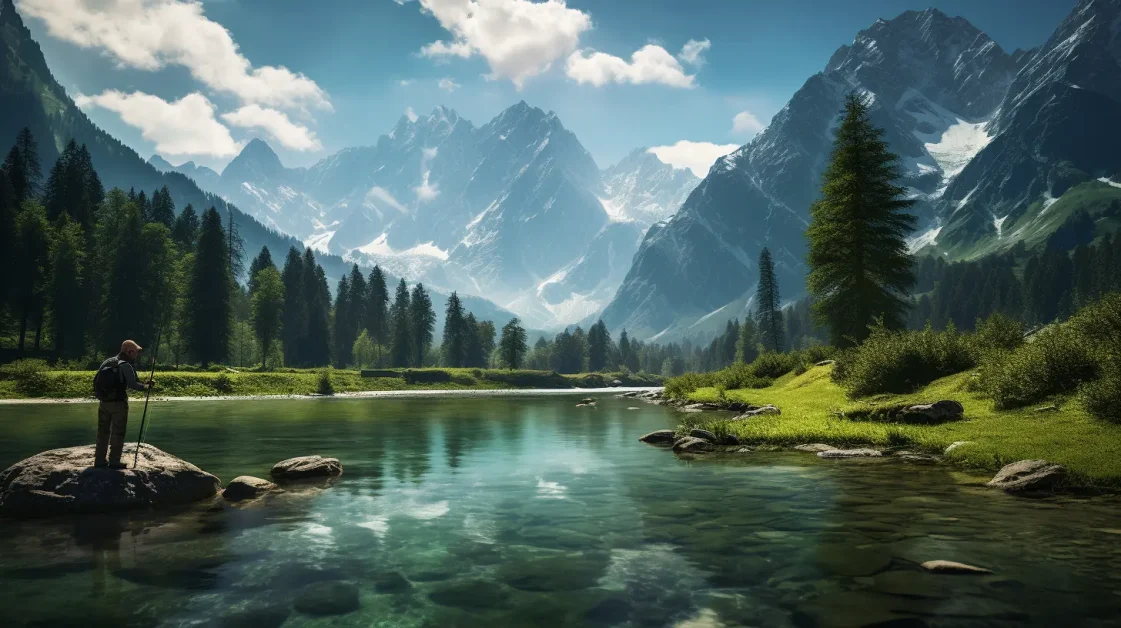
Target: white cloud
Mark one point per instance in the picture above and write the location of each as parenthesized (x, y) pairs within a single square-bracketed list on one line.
[(405, 82), (693, 52), (746, 122), (426, 191), (381, 194), (448, 85), (518, 38), (649, 64), (276, 124), (184, 127), (153, 34), (410, 114), (696, 156)]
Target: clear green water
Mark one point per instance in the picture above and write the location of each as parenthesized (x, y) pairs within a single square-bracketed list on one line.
[(527, 511)]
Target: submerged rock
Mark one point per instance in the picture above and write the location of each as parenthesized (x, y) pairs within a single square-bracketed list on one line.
[(306, 467), (814, 448), (916, 457), (850, 453), (1028, 475), (327, 598), (691, 444), (951, 567), (659, 437), (247, 487), (63, 481), (754, 412)]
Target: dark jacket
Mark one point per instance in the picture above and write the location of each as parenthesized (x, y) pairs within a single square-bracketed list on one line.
[(126, 377)]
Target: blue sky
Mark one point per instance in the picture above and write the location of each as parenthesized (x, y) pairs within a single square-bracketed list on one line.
[(197, 81)]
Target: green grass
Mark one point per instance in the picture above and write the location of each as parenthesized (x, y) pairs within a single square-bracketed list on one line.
[(813, 411), (78, 384)]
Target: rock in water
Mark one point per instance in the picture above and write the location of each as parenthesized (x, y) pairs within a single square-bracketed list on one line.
[(703, 435), (690, 444), (64, 481), (1028, 475), (659, 437), (950, 567), (850, 453), (306, 467), (247, 487), (814, 448), (327, 598)]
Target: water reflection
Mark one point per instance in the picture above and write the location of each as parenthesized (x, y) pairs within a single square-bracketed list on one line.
[(529, 511)]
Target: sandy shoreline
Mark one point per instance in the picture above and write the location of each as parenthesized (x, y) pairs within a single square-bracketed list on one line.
[(492, 392)]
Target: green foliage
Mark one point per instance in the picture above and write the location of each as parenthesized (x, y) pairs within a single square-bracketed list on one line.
[(324, 386), (768, 306), (267, 309), (365, 351), (902, 361), (860, 269), (423, 322), (1055, 361), (998, 333), (771, 365), (210, 293), (1102, 397), (29, 375), (223, 384), (512, 347)]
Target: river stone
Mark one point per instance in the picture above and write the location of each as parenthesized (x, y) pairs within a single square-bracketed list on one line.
[(1028, 475), (63, 481), (849, 453), (937, 412), (562, 573), (691, 444), (327, 598), (474, 595), (659, 437), (247, 487), (951, 567), (814, 448), (703, 435), (306, 467), (767, 409), (954, 445), (916, 457), (392, 582)]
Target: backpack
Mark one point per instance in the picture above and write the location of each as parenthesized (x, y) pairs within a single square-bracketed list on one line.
[(107, 381)]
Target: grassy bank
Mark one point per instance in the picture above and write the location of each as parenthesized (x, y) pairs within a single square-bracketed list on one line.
[(816, 410), (78, 384)]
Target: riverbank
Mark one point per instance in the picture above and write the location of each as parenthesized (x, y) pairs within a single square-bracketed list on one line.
[(816, 410), (56, 386)]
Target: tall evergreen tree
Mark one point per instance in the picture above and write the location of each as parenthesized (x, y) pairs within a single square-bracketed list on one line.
[(295, 317), (210, 294), (163, 208), (860, 269), (472, 346), (768, 306), (487, 334), (423, 320), (259, 263), (401, 351), (624, 348), (377, 309), (33, 252), (746, 351), (8, 210), (268, 309), (235, 244), (359, 295), (344, 334), (454, 345), (512, 347), (317, 343), (185, 232), (598, 341), (32, 170)]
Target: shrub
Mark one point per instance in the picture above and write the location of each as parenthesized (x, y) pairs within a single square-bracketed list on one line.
[(325, 387), (223, 384), (1102, 397), (30, 376), (772, 365), (902, 361), (1057, 360), (998, 332), (427, 376), (680, 387)]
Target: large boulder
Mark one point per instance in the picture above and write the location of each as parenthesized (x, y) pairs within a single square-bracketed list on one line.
[(692, 445), (247, 487), (306, 467), (814, 448), (659, 437), (703, 434), (64, 481), (933, 413), (1028, 475)]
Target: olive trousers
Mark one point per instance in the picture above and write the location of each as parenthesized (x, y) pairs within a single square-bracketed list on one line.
[(112, 419)]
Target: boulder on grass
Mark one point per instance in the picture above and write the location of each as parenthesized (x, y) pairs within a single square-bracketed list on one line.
[(933, 413), (659, 437), (247, 487), (850, 453), (64, 481), (703, 434), (692, 445), (306, 467), (1028, 475), (754, 412)]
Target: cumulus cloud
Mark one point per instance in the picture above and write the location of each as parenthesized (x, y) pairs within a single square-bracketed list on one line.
[(696, 156), (184, 127), (746, 122), (379, 195), (448, 85), (649, 64), (153, 34), (693, 52), (405, 82), (519, 39), (276, 124)]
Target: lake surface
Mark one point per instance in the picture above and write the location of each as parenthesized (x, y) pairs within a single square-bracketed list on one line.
[(527, 511)]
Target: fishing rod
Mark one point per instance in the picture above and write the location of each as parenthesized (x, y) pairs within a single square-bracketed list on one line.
[(151, 377)]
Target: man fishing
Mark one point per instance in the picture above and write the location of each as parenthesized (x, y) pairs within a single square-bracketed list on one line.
[(111, 383)]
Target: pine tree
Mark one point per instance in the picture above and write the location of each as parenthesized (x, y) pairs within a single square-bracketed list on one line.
[(768, 309), (423, 320), (860, 270), (344, 336), (359, 295), (472, 347), (210, 294), (598, 341), (748, 340), (624, 349), (487, 335), (163, 208), (454, 340), (268, 308), (377, 308), (8, 211), (316, 349), (294, 319), (512, 347), (236, 245), (155, 255), (401, 350), (259, 263), (32, 174), (185, 232), (33, 252)]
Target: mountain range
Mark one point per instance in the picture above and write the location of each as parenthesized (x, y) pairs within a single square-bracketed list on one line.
[(515, 210)]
